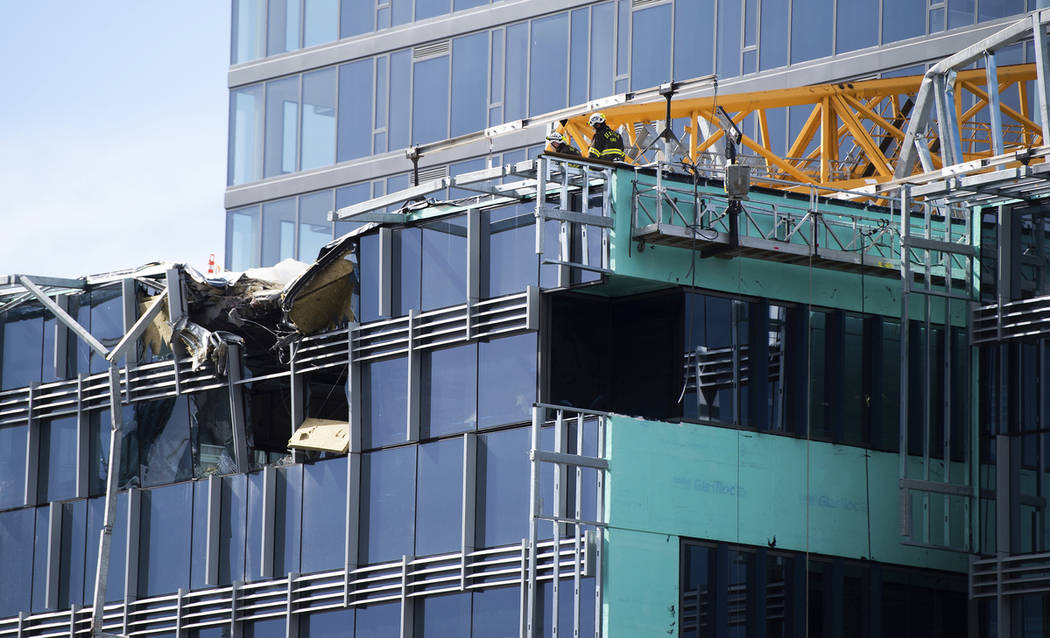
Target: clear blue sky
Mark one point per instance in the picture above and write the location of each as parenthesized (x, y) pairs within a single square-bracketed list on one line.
[(112, 133)]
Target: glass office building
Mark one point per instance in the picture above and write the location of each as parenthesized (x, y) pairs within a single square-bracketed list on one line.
[(726, 467)]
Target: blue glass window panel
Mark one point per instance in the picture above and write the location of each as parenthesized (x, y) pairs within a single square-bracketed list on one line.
[(773, 52), (253, 532), (450, 404), (16, 555), (269, 628), (355, 113), (383, 17), (382, 620), (245, 154), (47, 361), (12, 465), (368, 260), (459, 5), (289, 507), (74, 547), (496, 68), (443, 616), (902, 19), (282, 119), (439, 503), (382, 90), (548, 73), (937, 20), (248, 37), (385, 405), (324, 515), (347, 196), (98, 448), (811, 29), (506, 380), (82, 307), (750, 22), (165, 536), (356, 17), (282, 26), (961, 13), (278, 231), (107, 322), (400, 101), (992, 9), (693, 38), (231, 528), (517, 58), (495, 613), (338, 623), (444, 280), (242, 239), (199, 547), (857, 25), (388, 481), (513, 265), (430, 100), (156, 447), (728, 59), (400, 12), (318, 125), (320, 22), (623, 26), (20, 350), (603, 33), (119, 543), (651, 64), (502, 487), (408, 243), (578, 57), (469, 103), (57, 470), (430, 8), (314, 228)]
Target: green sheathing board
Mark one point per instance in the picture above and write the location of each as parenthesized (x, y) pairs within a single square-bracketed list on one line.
[(754, 277), (685, 480)]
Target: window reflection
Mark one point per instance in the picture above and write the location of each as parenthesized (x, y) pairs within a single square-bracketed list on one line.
[(245, 156), (385, 402), (22, 333), (324, 514), (282, 120), (506, 380), (651, 63), (56, 479), (317, 136), (548, 73), (450, 376), (444, 278), (165, 526), (439, 504), (388, 482)]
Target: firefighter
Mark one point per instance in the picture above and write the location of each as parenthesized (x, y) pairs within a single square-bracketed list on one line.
[(559, 143), (607, 143)]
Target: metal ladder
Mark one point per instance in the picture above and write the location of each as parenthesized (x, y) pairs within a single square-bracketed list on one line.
[(562, 524)]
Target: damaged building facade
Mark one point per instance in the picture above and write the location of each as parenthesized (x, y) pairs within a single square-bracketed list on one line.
[(518, 395)]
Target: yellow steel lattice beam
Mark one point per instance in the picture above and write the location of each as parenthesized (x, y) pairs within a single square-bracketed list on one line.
[(851, 135)]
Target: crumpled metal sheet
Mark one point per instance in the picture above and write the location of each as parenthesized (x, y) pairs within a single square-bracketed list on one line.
[(203, 345), (321, 297)]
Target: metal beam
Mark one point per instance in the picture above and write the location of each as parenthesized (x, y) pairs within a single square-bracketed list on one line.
[(63, 316), (139, 327)]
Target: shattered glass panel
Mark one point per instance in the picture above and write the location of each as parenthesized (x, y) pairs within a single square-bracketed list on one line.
[(156, 447), (212, 431), (98, 447), (23, 340)]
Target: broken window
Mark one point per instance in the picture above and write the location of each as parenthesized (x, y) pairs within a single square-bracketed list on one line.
[(156, 447), (212, 433), (268, 418)]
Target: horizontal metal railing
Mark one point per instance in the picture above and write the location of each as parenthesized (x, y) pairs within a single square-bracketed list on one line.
[(1023, 319), (1009, 575), (293, 594)]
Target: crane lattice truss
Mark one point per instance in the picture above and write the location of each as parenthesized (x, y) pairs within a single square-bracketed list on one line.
[(853, 134)]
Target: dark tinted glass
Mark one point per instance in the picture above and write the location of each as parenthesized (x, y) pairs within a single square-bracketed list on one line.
[(157, 443), (444, 280), (16, 555), (165, 524), (512, 250), (338, 623), (12, 465), (385, 403), (231, 528), (56, 479), (495, 613), (450, 404), (387, 504), (443, 616), (20, 350), (506, 380), (857, 25), (289, 506), (503, 487), (902, 19), (74, 541), (379, 621), (811, 29), (324, 515), (439, 503)]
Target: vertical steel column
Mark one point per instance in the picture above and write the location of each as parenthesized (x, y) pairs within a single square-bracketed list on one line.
[(467, 530), (943, 126), (415, 363), (607, 211), (211, 551), (564, 234), (234, 374), (995, 115), (477, 235), (534, 511), (1042, 68), (408, 616), (112, 478), (54, 554), (386, 272), (541, 196), (83, 478), (599, 532), (905, 504), (577, 531), (29, 496), (131, 558), (1003, 527), (129, 296), (297, 395), (557, 511), (61, 341), (353, 464)]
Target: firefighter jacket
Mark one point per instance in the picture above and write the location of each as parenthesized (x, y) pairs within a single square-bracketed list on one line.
[(607, 144)]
